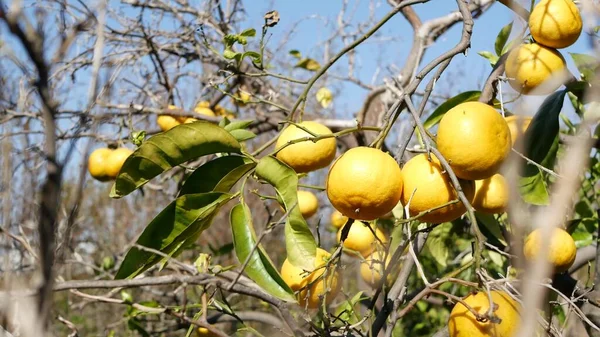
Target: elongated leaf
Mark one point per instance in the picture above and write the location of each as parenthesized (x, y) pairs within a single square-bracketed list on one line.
[(222, 172), (491, 229), (533, 189), (241, 135), (180, 220), (438, 113), (299, 242), (168, 149), (238, 125), (259, 268), (502, 38)]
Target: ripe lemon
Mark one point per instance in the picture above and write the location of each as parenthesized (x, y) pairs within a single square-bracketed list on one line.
[(432, 188), (475, 140), (311, 286), (463, 323), (491, 195), (97, 163), (517, 125), (338, 220), (364, 183), (115, 161), (166, 122), (562, 249), (530, 65), (204, 110), (307, 155), (361, 238), (307, 203), (204, 332), (555, 23), (372, 268)]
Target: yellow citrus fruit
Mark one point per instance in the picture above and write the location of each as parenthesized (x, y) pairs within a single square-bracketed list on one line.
[(491, 195), (166, 122), (307, 203), (463, 323), (428, 186), (372, 268), (204, 111), (338, 220), (363, 238), (115, 161), (306, 156), (562, 249), (555, 23), (364, 183), (474, 139), (190, 120), (97, 163), (204, 332), (530, 65), (314, 284), (517, 125)]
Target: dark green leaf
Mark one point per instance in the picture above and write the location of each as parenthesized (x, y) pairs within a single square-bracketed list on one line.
[(218, 172), (249, 32), (533, 189), (300, 243), (242, 135), (438, 113), (238, 125), (308, 64), (184, 218), (259, 268), (502, 38), (168, 149), (133, 324), (489, 56), (230, 54), (492, 229), (220, 251), (296, 53)]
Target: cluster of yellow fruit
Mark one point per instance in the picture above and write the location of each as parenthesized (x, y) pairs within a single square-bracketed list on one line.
[(167, 122), (553, 24), (104, 164)]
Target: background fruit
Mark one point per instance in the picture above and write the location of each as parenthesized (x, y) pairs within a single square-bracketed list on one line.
[(166, 122), (491, 195), (361, 238), (555, 23), (97, 163), (514, 122), (372, 268), (307, 203), (204, 332), (432, 188), (338, 220), (115, 161), (530, 65), (562, 249), (204, 111), (475, 140), (364, 183), (309, 295), (306, 156), (462, 322)]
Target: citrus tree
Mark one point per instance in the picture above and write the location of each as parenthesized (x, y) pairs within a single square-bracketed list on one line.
[(477, 218)]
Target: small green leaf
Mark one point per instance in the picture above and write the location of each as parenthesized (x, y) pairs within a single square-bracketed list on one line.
[(238, 125), (259, 268), (300, 243), (438, 113), (347, 312), (229, 40), (253, 55), (169, 149), (489, 56), (586, 64), (251, 32), (492, 227), (308, 64), (230, 54), (217, 175), (242, 135), (184, 218), (502, 38), (295, 53), (533, 189)]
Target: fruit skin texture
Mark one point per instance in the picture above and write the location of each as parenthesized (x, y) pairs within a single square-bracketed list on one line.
[(432, 188), (297, 279), (361, 239), (562, 249), (462, 322), (307, 203), (97, 163), (514, 122), (474, 139), (306, 156), (337, 219), (364, 183), (115, 161), (555, 23), (166, 122), (530, 65), (491, 195)]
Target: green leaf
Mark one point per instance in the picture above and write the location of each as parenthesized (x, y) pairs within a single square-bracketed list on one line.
[(533, 189), (169, 149), (502, 38), (259, 268), (134, 324), (438, 113), (437, 243), (347, 311), (253, 55), (242, 135), (217, 175), (586, 64), (300, 243), (238, 125), (308, 64), (251, 32), (492, 227), (296, 53), (489, 56), (230, 54), (229, 40), (186, 217)]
